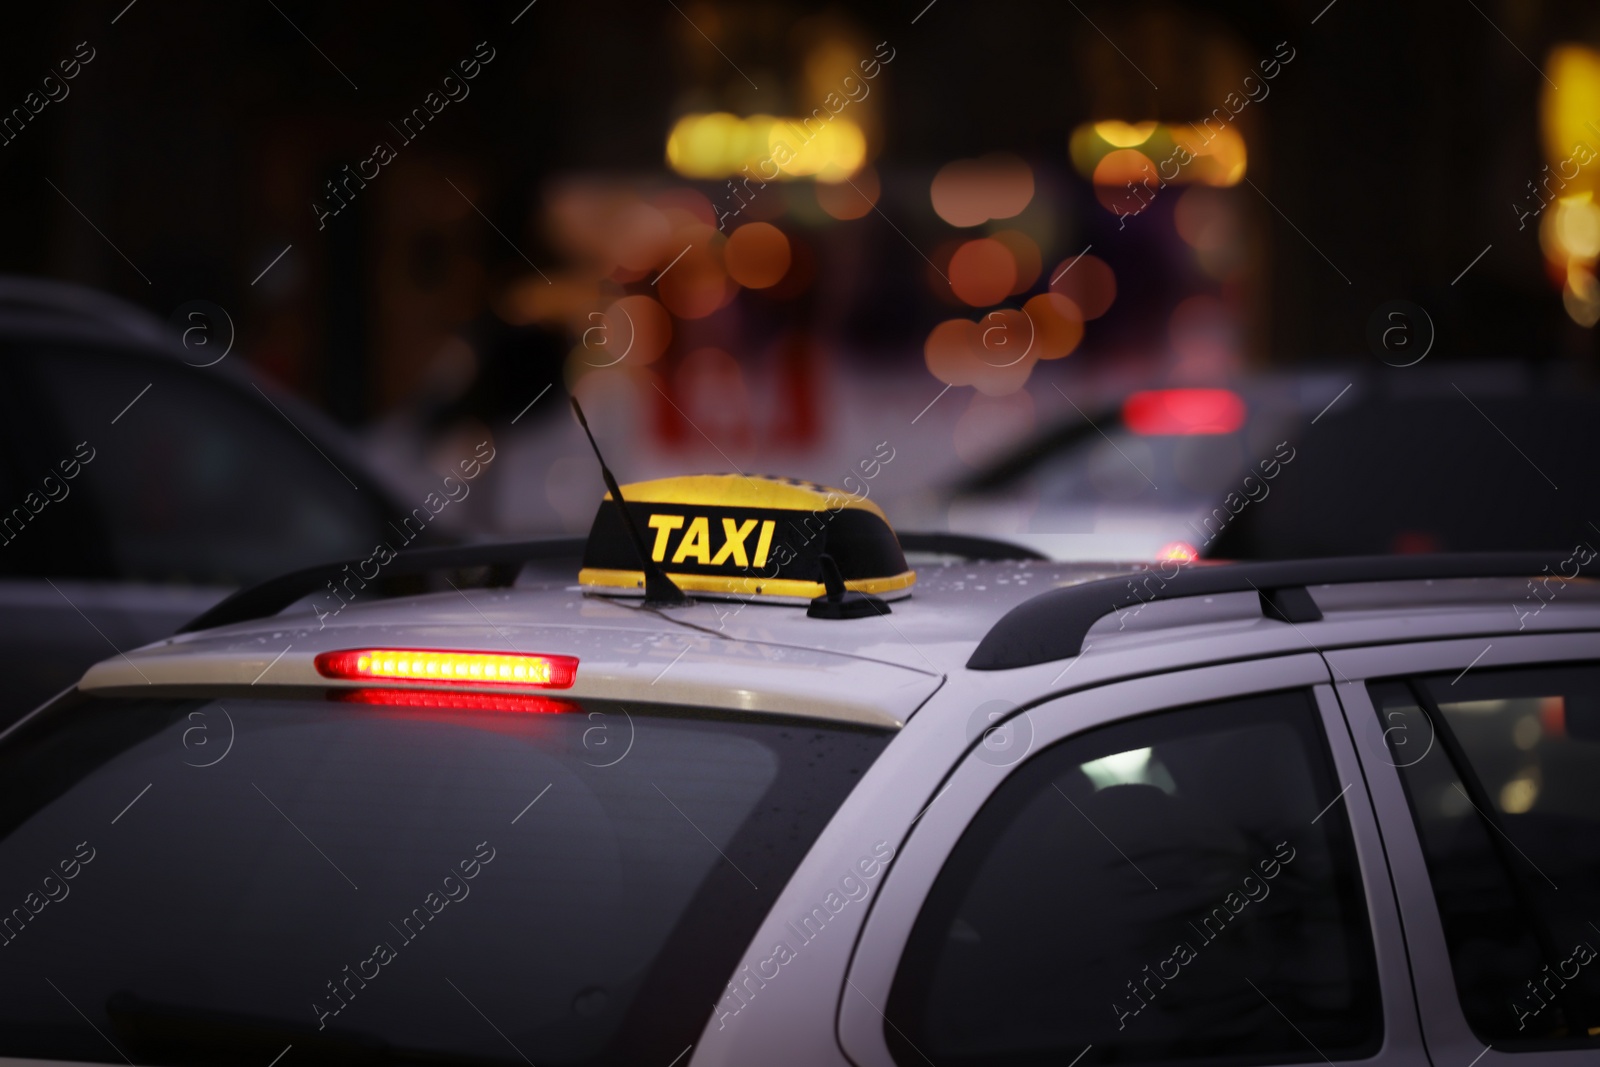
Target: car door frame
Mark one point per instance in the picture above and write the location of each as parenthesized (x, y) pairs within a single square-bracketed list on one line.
[(1445, 1028), (923, 855)]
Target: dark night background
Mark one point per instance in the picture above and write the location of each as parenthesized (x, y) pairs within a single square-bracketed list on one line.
[(1390, 153)]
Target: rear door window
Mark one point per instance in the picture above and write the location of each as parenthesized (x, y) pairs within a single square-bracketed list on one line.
[(1502, 772), (1177, 888), (501, 880)]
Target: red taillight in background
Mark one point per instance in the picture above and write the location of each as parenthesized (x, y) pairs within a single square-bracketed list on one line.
[(449, 668), (1184, 411)]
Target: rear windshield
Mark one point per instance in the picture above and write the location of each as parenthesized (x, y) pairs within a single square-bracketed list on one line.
[(215, 880)]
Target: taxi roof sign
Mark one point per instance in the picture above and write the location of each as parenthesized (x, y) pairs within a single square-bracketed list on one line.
[(745, 536)]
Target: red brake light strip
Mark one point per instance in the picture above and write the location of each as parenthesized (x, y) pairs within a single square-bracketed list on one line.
[(449, 667)]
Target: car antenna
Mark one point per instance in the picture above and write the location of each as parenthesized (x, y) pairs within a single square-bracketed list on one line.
[(658, 588), (839, 602)]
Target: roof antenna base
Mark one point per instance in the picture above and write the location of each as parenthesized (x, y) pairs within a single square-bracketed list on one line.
[(661, 591), (841, 603)]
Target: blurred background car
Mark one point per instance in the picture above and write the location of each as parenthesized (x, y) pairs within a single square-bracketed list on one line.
[(1483, 458), (1138, 476), (1486, 456), (141, 485)]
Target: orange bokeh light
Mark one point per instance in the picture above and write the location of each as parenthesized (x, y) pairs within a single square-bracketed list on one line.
[(1113, 174), (1058, 323), (983, 272), (757, 255), (696, 284), (1006, 338), (684, 206), (949, 351), (1220, 160), (635, 329), (993, 356), (970, 192), (638, 236), (694, 287), (1123, 165), (1088, 281)]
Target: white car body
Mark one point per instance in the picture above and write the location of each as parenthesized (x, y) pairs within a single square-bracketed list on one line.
[(907, 671)]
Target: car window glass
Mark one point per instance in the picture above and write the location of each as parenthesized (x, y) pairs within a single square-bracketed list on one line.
[(194, 481), (1179, 887), (48, 524), (210, 881), (1502, 771)]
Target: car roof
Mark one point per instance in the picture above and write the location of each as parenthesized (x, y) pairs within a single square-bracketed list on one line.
[(872, 671), (715, 653)]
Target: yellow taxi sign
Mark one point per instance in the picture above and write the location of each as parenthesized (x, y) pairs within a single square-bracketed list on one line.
[(746, 536)]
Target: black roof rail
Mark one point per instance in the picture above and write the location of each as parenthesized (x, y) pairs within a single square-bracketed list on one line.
[(1052, 625), (505, 562), (966, 546)]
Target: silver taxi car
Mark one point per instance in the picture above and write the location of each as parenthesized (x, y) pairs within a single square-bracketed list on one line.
[(837, 808)]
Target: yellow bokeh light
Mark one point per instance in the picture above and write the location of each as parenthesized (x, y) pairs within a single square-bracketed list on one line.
[(1221, 160), (720, 144), (1518, 796), (805, 149), (1568, 117), (1569, 233), (1581, 295), (1577, 226), (699, 144), (1119, 134), (1202, 153)]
